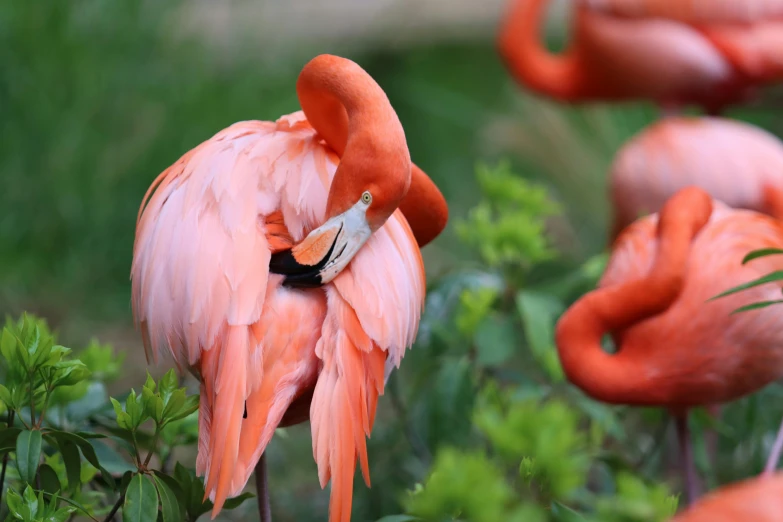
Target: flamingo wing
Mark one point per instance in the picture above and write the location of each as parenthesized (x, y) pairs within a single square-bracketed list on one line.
[(201, 284), (373, 315)]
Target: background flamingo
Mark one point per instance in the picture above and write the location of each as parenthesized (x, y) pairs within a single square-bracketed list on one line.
[(757, 499), (734, 162), (325, 182), (674, 348), (674, 53)]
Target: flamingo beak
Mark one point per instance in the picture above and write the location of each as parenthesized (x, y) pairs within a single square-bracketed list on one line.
[(326, 251)]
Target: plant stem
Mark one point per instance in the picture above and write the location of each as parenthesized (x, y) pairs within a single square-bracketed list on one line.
[(32, 402), (154, 445), (114, 509), (5, 458), (262, 490)]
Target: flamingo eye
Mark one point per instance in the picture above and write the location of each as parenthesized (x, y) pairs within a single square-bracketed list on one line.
[(367, 198)]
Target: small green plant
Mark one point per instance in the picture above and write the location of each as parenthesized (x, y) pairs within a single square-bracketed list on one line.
[(68, 448), (507, 226)]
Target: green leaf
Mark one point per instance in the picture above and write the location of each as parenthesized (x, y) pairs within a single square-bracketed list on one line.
[(761, 253), (8, 346), (769, 278), (5, 396), (123, 419), (190, 405), (134, 409), (397, 518), (68, 373), (150, 383), (8, 437), (756, 306), (175, 403), (153, 404), (235, 502), (49, 481), (167, 385), (141, 500), (193, 490), (170, 498), (87, 450), (28, 453), (539, 312), (32, 501), (110, 459), (73, 464), (16, 505)]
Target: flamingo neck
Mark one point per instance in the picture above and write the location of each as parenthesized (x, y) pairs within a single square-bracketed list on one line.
[(622, 378), (520, 43), (353, 115)]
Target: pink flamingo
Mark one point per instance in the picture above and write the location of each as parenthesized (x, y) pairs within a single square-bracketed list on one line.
[(280, 261), (734, 162), (673, 52), (675, 348)]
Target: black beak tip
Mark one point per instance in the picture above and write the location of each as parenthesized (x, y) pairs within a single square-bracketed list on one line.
[(296, 274)]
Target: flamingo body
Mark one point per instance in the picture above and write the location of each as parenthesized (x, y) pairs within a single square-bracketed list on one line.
[(694, 352), (736, 163), (758, 499), (676, 348), (663, 50), (264, 194)]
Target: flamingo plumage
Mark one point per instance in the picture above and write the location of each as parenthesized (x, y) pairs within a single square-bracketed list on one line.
[(759, 499), (676, 348), (734, 162), (711, 53), (280, 263)]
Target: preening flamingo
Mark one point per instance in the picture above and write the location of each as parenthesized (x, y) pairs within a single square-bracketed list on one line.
[(711, 53), (676, 349), (758, 499), (280, 259), (734, 162)]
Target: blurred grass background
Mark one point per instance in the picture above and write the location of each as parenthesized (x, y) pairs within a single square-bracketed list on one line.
[(97, 98)]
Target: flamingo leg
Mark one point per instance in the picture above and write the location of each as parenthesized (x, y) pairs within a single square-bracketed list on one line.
[(774, 456), (692, 486), (262, 490), (711, 436)]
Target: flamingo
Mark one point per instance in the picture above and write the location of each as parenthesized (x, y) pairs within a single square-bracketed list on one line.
[(759, 499), (279, 262), (710, 53), (737, 163), (676, 349)]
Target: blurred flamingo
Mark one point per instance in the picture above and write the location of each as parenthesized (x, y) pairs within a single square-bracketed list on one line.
[(734, 162), (710, 53), (758, 499), (675, 348), (278, 261)]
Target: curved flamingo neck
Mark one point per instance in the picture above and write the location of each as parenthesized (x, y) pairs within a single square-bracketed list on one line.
[(352, 113), (520, 43), (621, 378)]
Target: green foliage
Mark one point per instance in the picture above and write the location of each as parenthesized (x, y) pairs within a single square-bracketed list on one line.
[(63, 450), (535, 449), (507, 225)]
